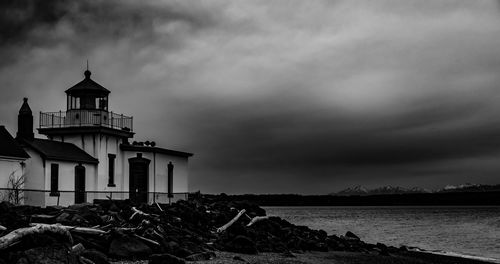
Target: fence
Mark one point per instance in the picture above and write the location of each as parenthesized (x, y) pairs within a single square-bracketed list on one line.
[(79, 118), (65, 198)]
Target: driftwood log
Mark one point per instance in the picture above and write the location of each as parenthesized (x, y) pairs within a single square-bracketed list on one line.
[(16, 235), (76, 229), (137, 212), (147, 240), (159, 207), (230, 223), (257, 219)]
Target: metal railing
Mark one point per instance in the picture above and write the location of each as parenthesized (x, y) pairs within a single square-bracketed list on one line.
[(65, 198), (85, 118)]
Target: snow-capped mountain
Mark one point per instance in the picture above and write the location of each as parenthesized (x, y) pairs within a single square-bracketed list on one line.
[(356, 190), (468, 187), (461, 186), (471, 188), (360, 190)]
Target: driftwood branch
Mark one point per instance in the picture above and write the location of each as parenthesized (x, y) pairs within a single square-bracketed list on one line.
[(16, 235), (3, 228), (230, 223), (159, 207), (257, 219), (147, 240), (137, 211), (76, 229)]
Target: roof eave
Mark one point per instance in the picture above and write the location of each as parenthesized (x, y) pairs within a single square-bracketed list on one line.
[(156, 150)]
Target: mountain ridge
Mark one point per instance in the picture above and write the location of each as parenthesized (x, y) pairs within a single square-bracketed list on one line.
[(360, 190)]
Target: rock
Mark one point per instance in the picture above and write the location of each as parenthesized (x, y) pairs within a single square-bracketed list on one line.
[(63, 218), (95, 256), (239, 258), (384, 251), (288, 254), (350, 234), (124, 246), (201, 256), (183, 252), (165, 259), (55, 254), (322, 247), (242, 244)]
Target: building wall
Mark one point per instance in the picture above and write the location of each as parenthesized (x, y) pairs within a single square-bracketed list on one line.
[(9, 167), (158, 178), (35, 179), (100, 145), (66, 182)]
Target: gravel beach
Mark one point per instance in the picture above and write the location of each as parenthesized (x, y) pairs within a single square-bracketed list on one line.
[(329, 257)]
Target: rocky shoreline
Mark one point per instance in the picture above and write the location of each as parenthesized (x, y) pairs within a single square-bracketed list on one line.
[(201, 229)]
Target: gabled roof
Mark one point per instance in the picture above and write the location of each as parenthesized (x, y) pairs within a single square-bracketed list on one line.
[(56, 150), (86, 86), (155, 150), (9, 148)]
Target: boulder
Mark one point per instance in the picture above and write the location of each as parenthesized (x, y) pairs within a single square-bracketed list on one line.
[(350, 234), (95, 256), (238, 258), (55, 254), (201, 256), (384, 251), (125, 246), (165, 259), (242, 244)]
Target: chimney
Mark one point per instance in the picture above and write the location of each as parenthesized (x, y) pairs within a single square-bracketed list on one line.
[(25, 122)]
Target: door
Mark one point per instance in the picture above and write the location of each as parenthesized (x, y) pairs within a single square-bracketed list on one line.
[(138, 179), (80, 195)]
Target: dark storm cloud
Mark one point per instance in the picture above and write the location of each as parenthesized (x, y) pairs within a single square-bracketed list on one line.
[(301, 139), (84, 25), (280, 96)]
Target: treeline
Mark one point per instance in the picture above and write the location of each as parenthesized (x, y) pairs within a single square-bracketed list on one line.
[(424, 199)]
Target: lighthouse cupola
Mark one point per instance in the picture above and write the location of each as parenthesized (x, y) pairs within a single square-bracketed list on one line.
[(87, 95), (86, 112)]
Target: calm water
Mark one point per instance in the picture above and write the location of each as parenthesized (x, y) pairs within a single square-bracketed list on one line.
[(471, 231)]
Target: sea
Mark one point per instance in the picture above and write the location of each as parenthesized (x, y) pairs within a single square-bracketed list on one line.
[(466, 231)]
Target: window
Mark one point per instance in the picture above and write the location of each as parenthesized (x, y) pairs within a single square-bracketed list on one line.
[(170, 174), (111, 170), (54, 179)]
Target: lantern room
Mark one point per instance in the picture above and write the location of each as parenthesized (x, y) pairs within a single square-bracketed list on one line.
[(87, 95)]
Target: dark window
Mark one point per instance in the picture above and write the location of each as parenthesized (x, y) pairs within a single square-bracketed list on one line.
[(111, 170), (170, 173), (54, 179)]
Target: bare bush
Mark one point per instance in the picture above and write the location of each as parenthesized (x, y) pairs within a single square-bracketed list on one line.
[(15, 194)]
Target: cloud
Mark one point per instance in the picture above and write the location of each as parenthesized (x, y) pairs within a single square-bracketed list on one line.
[(282, 96)]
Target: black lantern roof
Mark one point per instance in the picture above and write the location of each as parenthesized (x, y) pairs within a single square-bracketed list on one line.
[(87, 87)]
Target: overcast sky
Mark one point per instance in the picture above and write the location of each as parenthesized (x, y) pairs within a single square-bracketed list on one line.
[(277, 96)]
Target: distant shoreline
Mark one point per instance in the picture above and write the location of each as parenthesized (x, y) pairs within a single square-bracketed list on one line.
[(413, 199)]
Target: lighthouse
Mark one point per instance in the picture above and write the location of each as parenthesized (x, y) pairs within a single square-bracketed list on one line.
[(87, 155)]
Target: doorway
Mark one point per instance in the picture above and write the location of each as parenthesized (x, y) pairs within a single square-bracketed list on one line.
[(80, 195), (138, 179)]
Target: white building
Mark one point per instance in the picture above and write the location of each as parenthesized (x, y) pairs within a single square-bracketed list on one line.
[(87, 155), (12, 165)]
